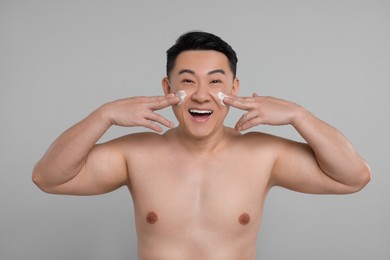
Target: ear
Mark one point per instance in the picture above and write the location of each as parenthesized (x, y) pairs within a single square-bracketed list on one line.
[(235, 87), (165, 85)]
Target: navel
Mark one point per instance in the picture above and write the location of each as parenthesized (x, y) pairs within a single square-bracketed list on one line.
[(151, 218), (244, 219)]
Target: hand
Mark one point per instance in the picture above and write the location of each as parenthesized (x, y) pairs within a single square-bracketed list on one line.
[(263, 110), (139, 111)]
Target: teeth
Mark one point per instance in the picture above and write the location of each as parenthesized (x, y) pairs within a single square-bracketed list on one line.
[(200, 111)]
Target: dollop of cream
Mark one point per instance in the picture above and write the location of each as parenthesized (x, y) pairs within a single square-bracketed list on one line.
[(182, 95), (221, 96)]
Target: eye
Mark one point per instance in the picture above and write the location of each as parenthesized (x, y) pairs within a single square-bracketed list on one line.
[(187, 81), (216, 81)]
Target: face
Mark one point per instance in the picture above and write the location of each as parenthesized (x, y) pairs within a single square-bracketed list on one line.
[(202, 75)]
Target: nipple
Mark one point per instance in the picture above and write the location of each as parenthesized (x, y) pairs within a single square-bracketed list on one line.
[(221, 96), (244, 219), (181, 94), (151, 218)]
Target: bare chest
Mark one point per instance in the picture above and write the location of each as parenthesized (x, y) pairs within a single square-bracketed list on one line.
[(222, 194)]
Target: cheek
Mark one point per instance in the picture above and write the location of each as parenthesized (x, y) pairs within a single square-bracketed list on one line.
[(178, 111), (182, 95), (221, 96), (218, 96)]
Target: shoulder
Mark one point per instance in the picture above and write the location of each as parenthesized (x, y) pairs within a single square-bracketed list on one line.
[(258, 142), (263, 139), (135, 141), (140, 138)]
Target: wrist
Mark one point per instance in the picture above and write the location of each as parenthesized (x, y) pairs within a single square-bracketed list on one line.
[(301, 115), (103, 114)]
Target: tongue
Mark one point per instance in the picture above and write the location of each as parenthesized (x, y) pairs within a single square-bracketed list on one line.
[(200, 115)]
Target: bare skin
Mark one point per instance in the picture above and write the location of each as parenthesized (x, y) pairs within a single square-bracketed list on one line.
[(199, 188)]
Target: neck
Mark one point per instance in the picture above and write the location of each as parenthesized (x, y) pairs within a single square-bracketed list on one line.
[(206, 145)]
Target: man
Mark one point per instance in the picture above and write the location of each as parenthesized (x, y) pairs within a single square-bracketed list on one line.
[(199, 188)]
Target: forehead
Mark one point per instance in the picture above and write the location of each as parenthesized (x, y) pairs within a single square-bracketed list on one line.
[(201, 61)]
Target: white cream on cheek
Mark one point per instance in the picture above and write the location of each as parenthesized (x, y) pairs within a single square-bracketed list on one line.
[(182, 95), (221, 96)]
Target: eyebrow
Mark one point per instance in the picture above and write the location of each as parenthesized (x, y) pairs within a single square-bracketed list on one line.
[(186, 71), (217, 71), (211, 72)]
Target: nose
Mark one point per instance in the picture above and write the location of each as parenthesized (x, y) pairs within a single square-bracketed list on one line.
[(201, 94)]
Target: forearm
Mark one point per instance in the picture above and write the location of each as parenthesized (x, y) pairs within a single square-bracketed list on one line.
[(335, 155), (66, 156)]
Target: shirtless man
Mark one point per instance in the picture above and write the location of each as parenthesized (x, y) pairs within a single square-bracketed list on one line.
[(199, 188)]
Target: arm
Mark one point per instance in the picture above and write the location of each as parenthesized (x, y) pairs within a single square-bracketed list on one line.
[(328, 163), (75, 164)]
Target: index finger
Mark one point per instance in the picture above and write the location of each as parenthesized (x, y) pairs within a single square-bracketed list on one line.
[(243, 103), (161, 102)]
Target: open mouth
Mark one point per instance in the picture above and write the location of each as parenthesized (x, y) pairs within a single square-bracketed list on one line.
[(200, 113)]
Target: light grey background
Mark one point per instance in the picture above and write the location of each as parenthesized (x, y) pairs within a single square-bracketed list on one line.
[(59, 60)]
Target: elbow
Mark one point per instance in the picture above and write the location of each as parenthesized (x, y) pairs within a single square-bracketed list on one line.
[(364, 177), (39, 183), (367, 176), (37, 178)]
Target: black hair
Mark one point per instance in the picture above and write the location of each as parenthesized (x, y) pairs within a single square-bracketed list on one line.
[(198, 40)]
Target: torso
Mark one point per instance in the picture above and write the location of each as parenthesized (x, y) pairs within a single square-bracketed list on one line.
[(198, 207)]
